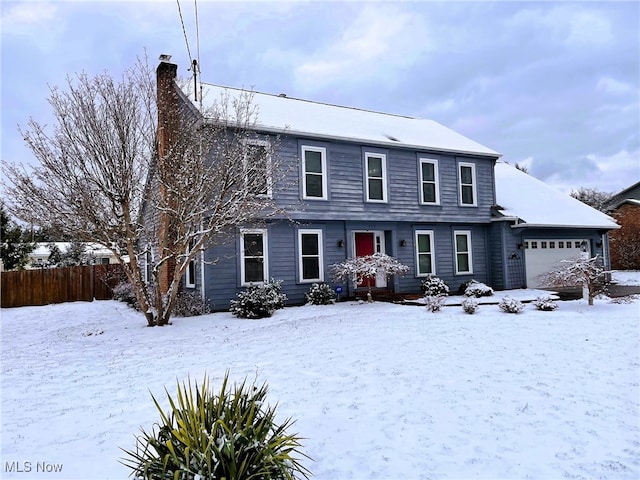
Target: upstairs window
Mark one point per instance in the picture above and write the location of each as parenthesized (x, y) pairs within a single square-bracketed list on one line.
[(425, 264), (258, 167), (376, 177), (314, 173), (310, 255), (467, 179), (190, 274), (253, 257), (464, 262), (429, 182)]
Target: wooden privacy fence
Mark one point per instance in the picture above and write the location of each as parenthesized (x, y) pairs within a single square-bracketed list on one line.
[(57, 285)]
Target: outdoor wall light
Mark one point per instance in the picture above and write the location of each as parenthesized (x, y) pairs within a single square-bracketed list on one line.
[(403, 243), (599, 244), (340, 243), (520, 246)]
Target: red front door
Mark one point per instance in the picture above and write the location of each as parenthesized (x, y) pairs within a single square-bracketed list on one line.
[(365, 245)]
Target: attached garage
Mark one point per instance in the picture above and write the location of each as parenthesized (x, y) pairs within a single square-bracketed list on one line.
[(543, 255), (535, 227)]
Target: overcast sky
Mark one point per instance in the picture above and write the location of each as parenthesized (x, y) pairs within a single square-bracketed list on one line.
[(553, 85)]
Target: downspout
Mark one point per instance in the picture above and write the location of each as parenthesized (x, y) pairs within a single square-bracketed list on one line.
[(202, 284)]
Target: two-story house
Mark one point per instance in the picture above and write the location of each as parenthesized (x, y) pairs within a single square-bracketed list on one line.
[(362, 182)]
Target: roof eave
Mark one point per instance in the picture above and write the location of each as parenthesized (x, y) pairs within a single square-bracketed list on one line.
[(542, 225)]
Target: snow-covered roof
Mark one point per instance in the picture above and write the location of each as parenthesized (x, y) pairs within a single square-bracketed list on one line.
[(43, 250), (280, 113), (535, 204)]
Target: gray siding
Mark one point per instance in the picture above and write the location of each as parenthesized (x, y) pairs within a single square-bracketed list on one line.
[(346, 198)]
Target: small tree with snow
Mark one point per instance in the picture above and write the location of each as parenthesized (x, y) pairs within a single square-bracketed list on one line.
[(362, 268), (584, 272)]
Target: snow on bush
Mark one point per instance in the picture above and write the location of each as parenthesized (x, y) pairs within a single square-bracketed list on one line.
[(433, 285), (232, 434), (259, 301), (190, 304), (545, 303), (511, 305), (320, 294), (434, 303), (124, 292), (477, 289), (470, 305)]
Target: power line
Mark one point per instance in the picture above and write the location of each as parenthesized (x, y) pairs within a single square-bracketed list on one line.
[(184, 31)]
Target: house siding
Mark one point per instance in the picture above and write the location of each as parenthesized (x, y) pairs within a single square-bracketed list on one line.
[(346, 185)]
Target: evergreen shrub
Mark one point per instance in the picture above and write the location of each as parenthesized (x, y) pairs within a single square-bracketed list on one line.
[(510, 305), (473, 288), (190, 304), (259, 301), (545, 303), (232, 435), (470, 305), (320, 294), (433, 285), (434, 303)]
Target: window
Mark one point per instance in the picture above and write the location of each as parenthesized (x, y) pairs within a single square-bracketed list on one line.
[(190, 274), (464, 262), (148, 265), (314, 172), (543, 244), (310, 256), (560, 244), (253, 256), (375, 173), (425, 264), (467, 178), (430, 191), (258, 167)]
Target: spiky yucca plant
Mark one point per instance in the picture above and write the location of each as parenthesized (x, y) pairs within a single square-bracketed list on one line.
[(231, 436)]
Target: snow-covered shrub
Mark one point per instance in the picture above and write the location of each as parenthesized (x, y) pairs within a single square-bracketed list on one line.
[(320, 294), (124, 292), (470, 305), (511, 305), (231, 435), (545, 303), (477, 289), (259, 301), (433, 285), (190, 304), (434, 303), (585, 272)]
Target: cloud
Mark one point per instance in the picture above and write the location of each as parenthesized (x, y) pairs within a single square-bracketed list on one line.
[(380, 40), (611, 85), (17, 17)]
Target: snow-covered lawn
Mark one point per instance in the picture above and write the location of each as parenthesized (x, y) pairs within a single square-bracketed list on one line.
[(379, 391)]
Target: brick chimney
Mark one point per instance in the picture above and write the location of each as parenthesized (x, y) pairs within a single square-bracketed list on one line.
[(168, 130)]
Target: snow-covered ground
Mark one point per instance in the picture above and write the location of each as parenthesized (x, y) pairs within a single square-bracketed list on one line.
[(626, 277), (379, 391)]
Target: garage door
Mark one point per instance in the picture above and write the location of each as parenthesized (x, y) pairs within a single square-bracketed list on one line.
[(542, 256)]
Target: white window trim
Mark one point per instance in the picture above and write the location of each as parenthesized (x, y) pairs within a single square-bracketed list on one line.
[(466, 233), (191, 265), (474, 185), (318, 232), (436, 175), (265, 255), (417, 253), (382, 156), (269, 179), (323, 156)]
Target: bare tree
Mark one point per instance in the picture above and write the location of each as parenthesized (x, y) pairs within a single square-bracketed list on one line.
[(145, 174), (592, 197), (364, 269), (584, 272)]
